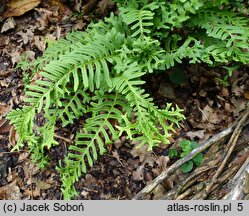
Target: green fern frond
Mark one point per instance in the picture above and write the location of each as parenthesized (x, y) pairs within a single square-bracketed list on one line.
[(87, 64), (139, 20), (191, 49), (73, 106), (97, 132), (230, 35), (22, 119), (151, 122)]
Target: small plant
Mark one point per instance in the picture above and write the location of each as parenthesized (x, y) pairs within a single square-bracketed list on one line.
[(225, 80), (186, 147), (99, 74)]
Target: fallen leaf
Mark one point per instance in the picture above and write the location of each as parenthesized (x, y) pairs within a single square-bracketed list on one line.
[(142, 152), (104, 6), (8, 24), (239, 105), (237, 91), (246, 95), (42, 184), (32, 193), (209, 114), (10, 192), (158, 192), (15, 57), (40, 43), (4, 126), (162, 162), (117, 156), (138, 175), (26, 36), (63, 9), (193, 134), (84, 193), (12, 136), (4, 109), (20, 7), (90, 180)]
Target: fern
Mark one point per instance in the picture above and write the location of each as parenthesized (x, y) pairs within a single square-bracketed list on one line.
[(96, 77), (139, 20), (95, 135)]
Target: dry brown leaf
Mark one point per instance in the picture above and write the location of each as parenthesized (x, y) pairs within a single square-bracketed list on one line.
[(15, 56), (20, 7), (158, 192), (90, 180), (63, 9), (10, 192), (12, 136), (42, 184), (32, 193), (162, 162), (193, 134), (239, 104), (138, 175), (246, 95), (150, 159), (210, 115), (8, 24), (117, 156), (84, 193), (26, 36), (3, 125), (40, 43), (104, 6), (4, 109), (142, 152)]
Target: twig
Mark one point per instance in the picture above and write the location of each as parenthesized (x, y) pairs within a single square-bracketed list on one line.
[(63, 138)]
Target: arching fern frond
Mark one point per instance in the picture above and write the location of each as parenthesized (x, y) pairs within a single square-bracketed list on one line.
[(86, 63), (97, 132), (230, 34), (191, 49), (151, 122), (224, 25)]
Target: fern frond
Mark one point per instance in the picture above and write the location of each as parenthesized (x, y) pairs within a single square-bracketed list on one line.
[(22, 119), (140, 21), (57, 49), (191, 49), (73, 106), (230, 31), (86, 63), (151, 122), (97, 132)]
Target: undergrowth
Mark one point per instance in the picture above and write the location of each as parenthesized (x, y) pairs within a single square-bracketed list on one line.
[(99, 74)]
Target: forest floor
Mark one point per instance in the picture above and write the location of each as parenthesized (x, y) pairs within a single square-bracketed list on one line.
[(210, 105)]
